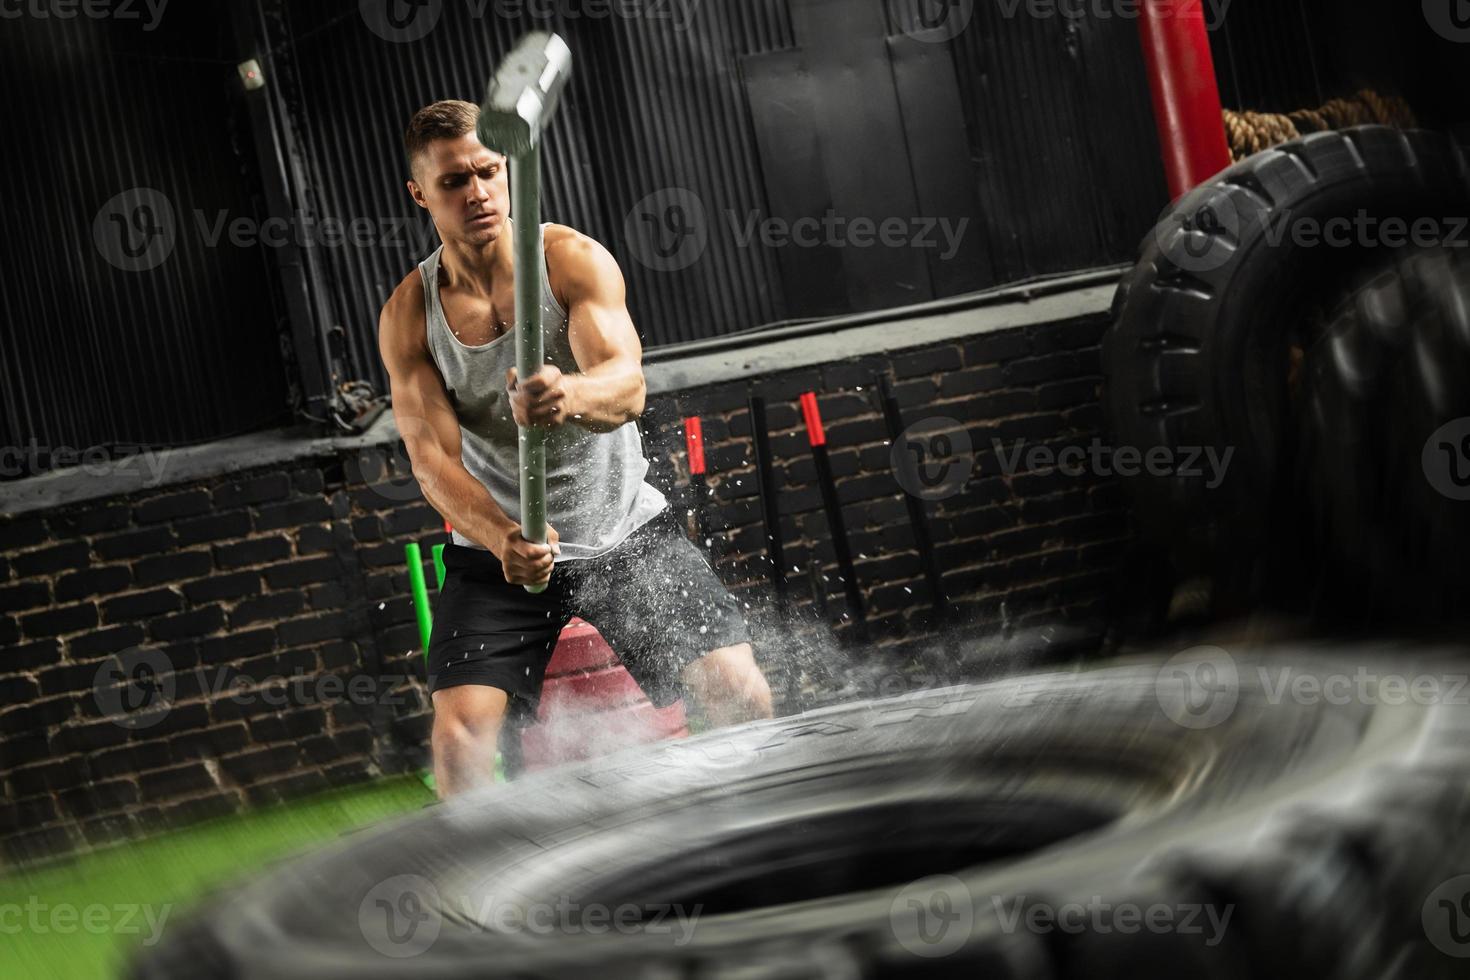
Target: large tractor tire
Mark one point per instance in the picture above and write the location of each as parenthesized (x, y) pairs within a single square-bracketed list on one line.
[(1305, 823), (1235, 277)]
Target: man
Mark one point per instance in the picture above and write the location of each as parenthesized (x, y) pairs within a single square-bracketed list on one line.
[(616, 556)]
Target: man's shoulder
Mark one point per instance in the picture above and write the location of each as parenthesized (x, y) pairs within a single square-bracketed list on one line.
[(402, 321), (407, 295), (566, 246), (574, 259)]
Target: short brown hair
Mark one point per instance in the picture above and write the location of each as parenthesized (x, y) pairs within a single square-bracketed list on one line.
[(443, 120)]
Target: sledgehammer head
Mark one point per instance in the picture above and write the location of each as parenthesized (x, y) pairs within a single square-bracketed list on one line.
[(523, 94)]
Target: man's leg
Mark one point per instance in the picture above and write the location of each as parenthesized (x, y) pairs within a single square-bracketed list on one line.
[(467, 722), (729, 686)]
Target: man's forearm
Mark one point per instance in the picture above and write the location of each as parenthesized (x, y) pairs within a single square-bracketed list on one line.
[(607, 397), (459, 498)]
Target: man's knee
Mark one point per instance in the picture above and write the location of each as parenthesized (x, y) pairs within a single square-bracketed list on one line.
[(729, 677), (468, 716)]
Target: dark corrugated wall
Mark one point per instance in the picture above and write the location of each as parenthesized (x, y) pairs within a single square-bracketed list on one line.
[(1055, 116), (93, 355), (648, 107), (1051, 115)]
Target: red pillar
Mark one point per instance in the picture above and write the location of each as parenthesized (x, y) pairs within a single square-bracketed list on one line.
[(1181, 76)]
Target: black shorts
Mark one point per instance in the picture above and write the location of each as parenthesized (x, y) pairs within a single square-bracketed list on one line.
[(654, 598)]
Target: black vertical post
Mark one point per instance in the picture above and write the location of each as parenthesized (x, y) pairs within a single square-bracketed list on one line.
[(282, 174), (835, 524), (918, 517), (770, 509)]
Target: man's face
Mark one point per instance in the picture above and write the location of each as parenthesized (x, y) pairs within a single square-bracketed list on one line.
[(465, 188)]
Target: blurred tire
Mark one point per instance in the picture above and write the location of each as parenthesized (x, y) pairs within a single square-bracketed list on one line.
[(917, 835), (1388, 410)]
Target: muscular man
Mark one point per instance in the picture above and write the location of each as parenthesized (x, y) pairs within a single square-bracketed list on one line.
[(617, 557)]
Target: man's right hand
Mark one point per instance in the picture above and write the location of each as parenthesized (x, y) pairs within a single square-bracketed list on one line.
[(524, 562)]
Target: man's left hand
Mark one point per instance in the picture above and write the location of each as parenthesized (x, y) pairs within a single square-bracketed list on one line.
[(543, 399)]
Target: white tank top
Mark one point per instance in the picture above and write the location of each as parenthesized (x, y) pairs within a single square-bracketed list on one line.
[(596, 494)]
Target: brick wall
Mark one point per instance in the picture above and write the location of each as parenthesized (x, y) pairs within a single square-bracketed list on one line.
[(267, 614)]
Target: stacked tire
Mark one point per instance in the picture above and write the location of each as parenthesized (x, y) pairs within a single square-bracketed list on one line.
[(1231, 287)]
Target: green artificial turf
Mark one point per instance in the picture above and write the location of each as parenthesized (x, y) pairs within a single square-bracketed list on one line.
[(164, 875)]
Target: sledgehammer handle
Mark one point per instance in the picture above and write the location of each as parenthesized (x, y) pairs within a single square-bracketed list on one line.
[(525, 196), (520, 102)]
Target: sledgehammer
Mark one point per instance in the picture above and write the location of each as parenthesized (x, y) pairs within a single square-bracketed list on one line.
[(517, 110)]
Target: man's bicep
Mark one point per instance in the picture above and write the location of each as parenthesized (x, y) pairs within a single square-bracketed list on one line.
[(600, 327), (420, 404)]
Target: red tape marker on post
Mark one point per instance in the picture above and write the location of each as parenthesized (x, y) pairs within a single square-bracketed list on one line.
[(813, 417), (694, 440)]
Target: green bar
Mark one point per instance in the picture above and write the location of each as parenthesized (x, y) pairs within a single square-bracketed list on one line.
[(438, 553), (420, 592)]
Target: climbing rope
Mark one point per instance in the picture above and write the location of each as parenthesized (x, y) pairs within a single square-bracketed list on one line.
[(1251, 132)]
